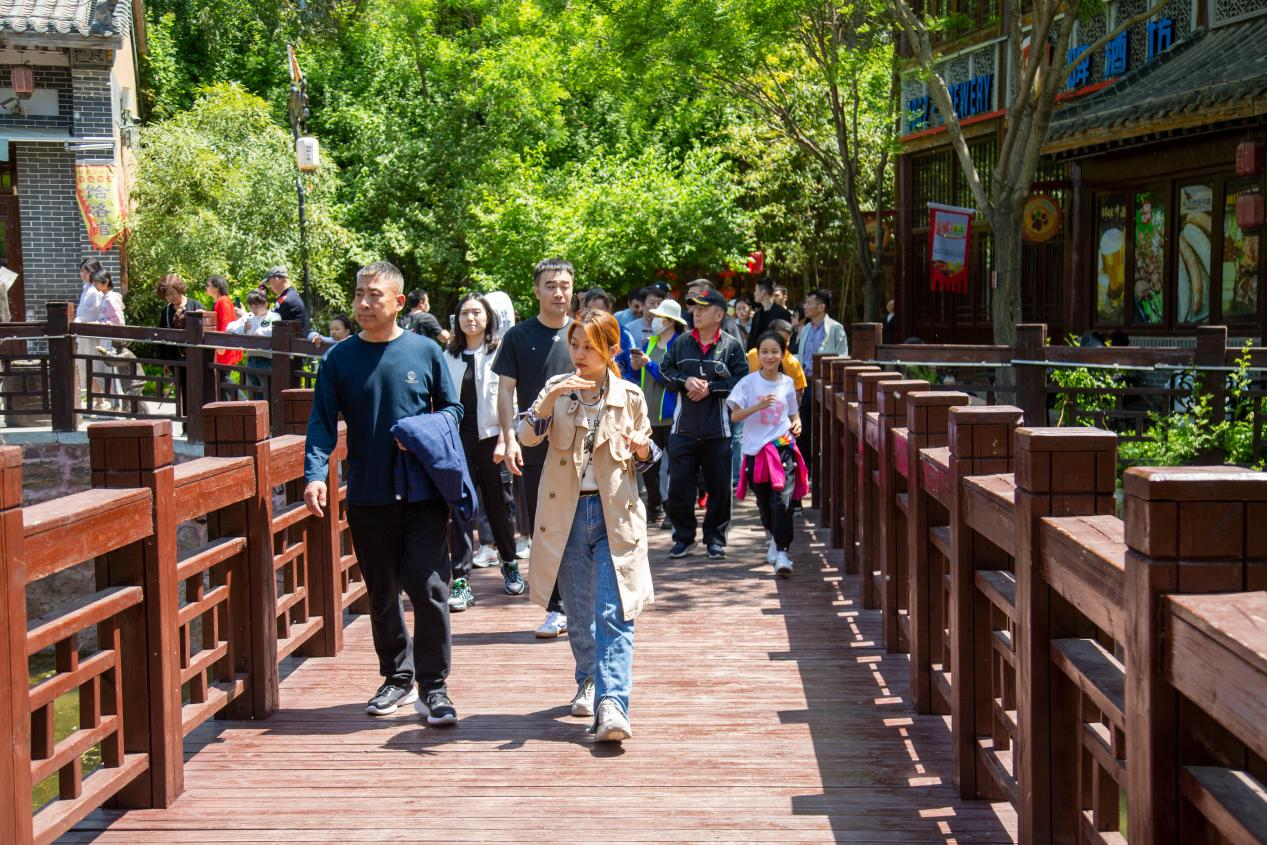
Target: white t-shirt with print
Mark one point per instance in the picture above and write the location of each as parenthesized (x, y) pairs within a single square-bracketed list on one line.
[(768, 423)]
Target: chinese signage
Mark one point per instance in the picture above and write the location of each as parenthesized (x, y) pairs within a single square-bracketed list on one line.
[(969, 77), (949, 245), (970, 97), (97, 191)]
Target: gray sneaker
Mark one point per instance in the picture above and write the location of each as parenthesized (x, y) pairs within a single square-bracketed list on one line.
[(583, 701), (390, 698), (613, 725)]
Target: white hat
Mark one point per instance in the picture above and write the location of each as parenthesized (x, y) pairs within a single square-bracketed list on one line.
[(669, 310)]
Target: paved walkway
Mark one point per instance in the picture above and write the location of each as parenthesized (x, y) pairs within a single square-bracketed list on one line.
[(763, 711)]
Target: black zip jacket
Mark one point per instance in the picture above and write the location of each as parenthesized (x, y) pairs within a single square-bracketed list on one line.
[(722, 367)]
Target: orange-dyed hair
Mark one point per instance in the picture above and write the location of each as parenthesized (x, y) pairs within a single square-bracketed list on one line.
[(602, 331)]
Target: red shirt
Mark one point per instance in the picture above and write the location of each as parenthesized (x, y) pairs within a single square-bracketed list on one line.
[(225, 314), (704, 347)]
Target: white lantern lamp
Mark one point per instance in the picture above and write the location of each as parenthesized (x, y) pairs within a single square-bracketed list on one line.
[(307, 154)]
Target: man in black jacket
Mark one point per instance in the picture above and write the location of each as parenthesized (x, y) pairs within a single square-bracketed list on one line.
[(702, 366), (767, 312)]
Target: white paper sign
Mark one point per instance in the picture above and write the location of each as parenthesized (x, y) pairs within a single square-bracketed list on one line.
[(7, 278)]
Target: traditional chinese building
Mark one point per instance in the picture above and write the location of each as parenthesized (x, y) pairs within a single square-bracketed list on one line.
[(1134, 224), (68, 82)]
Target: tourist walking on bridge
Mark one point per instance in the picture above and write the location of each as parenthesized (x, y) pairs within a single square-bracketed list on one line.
[(766, 400), (374, 379), (592, 529), (702, 367)]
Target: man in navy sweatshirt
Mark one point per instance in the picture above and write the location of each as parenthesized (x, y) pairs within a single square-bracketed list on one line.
[(374, 378)]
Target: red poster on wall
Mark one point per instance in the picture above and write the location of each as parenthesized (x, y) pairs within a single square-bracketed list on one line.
[(949, 242)]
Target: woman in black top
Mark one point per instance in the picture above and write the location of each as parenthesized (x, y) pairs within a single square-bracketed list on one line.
[(171, 289), (470, 357)]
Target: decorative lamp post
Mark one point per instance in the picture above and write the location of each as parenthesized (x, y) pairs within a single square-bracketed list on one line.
[(305, 157)]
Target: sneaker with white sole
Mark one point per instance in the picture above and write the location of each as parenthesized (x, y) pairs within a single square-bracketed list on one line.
[(782, 565), (523, 548), (771, 552), (613, 725), (680, 549), (436, 708), (390, 698), (460, 595), (556, 623), (512, 581), (485, 557), (583, 701)]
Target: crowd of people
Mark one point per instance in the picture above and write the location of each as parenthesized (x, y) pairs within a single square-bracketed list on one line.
[(564, 438)]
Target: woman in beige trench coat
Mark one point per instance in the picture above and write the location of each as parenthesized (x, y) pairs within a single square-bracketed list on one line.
[(591, 528)]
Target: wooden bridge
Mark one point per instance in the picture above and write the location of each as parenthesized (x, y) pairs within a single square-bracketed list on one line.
[(974, 648)]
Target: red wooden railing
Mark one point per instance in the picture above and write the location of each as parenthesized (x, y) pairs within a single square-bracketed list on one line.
[(1082, 657), (181, 638)]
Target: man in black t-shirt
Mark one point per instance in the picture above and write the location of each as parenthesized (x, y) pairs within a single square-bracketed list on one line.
[(532, 352), (290, 306), (768, 311), (419, 319)]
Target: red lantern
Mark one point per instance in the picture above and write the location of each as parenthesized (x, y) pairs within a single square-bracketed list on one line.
[(1249, 158), (23, 80), (756, 263), (1249, 211)]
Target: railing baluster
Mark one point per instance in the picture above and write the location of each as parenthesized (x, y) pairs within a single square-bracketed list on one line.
[(61, 366), (15, 716)]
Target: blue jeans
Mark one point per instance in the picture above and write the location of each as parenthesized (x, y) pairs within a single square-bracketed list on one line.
[(601, 638), (736, 450)]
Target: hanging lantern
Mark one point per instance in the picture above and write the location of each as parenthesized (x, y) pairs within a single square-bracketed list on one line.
[(1249, 158), (22, 78), (1249, 211), (307, 154)]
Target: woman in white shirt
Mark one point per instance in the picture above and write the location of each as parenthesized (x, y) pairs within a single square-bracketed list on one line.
[(87, 310), (470, 356), (109, 312)]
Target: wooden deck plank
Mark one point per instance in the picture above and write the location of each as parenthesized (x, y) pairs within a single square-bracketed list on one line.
[(764, 710)]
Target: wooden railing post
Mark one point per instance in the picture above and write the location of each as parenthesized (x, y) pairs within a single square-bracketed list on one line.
[(1031, 381), (863, 340), (1188, 530), (61, 366), (867, 516), (200, 382), (819, 435), (325, 578), (833, 457), (236, 430), (1211, 351), (130, 454), (15, 717), (980, 441), (892, 542), (844, 485), (1059, 472), (927, 424), (284, 371)]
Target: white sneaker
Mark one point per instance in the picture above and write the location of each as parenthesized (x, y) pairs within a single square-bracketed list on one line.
[(782, 565), (613, 725), (771, 552), (486, 556), (556, 623), (523, 548), (583, 701)]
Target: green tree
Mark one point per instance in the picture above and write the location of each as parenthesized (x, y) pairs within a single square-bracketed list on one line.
[(215, 193)]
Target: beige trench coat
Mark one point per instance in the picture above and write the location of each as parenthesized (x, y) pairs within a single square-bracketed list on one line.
[(623, 511)]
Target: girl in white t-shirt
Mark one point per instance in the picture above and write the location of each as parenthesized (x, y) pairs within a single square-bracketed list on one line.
[(765, 401)]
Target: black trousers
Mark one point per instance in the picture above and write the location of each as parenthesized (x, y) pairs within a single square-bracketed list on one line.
[(806, 441), (532, 486), (776, 505), (487, 477), (709, 458), (651, 478), (397, 549)]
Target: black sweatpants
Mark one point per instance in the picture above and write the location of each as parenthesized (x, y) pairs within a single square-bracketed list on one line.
[(487, 477), (651, 478), (710, 458), (775, 505), (532, 485), (397, 549)]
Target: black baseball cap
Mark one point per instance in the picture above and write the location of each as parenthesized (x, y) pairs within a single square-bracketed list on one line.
[(708, 297)]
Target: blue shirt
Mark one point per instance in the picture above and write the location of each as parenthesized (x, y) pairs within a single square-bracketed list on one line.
[(373, 385), (813, 342)]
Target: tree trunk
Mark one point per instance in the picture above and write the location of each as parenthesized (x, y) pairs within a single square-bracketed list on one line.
[(873, 292), (1005, 308)]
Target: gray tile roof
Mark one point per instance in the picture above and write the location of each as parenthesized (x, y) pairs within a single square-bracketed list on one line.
[(1216, 69), (93, 19)]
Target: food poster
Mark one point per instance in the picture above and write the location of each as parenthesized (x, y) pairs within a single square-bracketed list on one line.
[(1240, 267), (1150, 256), (1196, 227), (1111, 216)]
